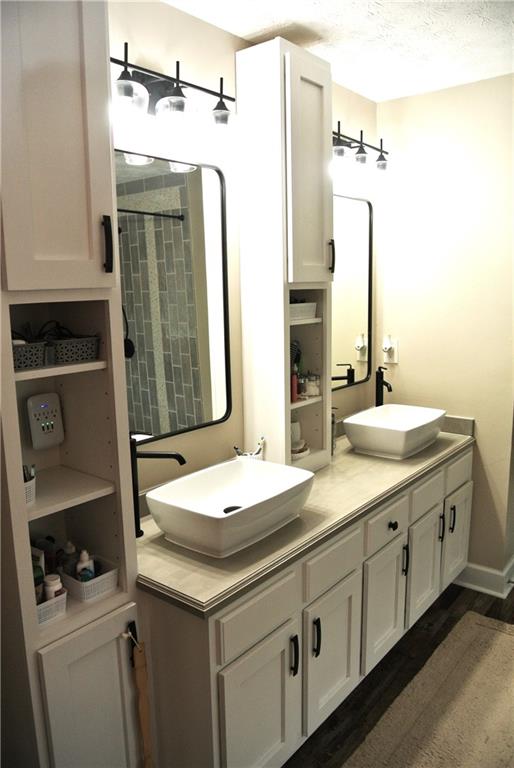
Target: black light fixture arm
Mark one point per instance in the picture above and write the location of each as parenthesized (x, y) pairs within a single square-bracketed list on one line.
[(352, 143), (167, 78)]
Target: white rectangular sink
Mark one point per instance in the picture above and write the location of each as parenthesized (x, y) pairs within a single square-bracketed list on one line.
[(219, 510), (393, 431)]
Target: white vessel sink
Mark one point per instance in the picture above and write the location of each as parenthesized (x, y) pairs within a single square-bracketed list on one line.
[(219, 510), (393, 431)]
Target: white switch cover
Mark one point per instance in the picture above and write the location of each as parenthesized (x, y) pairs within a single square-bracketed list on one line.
[(45, 420)]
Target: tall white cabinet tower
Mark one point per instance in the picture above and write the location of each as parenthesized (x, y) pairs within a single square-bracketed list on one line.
[(287, 249), (67, 682)]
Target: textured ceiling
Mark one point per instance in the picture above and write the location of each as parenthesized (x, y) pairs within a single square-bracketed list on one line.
[(381, 49)]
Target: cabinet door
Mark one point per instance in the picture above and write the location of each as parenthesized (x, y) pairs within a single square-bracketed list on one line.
[(89, 695), (423, 578), (57, 173), (384, 602), (260, 702), (457, 515), (331, 631), (309, 152)]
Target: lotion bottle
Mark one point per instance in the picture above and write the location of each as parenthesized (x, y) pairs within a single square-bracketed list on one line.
[(85, 567)]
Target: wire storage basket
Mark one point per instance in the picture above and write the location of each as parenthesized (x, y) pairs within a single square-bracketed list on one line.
[(30, 355), (102, 585), (74, 350), (52, 609)]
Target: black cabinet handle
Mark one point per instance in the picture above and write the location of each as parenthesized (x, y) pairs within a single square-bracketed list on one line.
[(393, 525), (405, 567), (453, 518), (296, 655), (332, 245), (109, 253), (443, 521), (317, 645)]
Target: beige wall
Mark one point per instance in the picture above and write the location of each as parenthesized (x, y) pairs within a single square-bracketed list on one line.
[(158, 35), (444, 225)]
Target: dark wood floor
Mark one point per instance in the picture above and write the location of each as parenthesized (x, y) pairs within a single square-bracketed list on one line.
[(348, 726)]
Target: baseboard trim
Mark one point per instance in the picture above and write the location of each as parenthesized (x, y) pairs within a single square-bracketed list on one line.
[(488, 580)]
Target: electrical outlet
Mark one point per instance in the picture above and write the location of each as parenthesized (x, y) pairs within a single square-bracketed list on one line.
[(45, 420)]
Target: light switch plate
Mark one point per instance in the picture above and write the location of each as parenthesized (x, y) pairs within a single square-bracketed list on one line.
[(45, 420)]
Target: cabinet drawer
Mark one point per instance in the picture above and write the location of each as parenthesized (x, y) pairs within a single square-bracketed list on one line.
[(257, 616), (386, 525), (459, 472), (333, 563), (426, 495)]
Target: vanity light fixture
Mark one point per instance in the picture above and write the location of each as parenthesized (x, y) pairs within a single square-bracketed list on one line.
[(338, 144), (381, 159), (137, 159), (130, 89), (361, 155), (341, 143), (221, 112), (131, 94)]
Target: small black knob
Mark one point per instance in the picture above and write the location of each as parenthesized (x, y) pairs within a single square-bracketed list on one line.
[(393, 525)]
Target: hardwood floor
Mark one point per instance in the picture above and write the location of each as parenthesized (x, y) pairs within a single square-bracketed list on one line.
[(348, 726)]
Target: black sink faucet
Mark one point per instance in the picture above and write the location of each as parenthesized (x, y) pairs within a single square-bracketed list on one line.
[(134, 456), (350, 374), (380, 383)]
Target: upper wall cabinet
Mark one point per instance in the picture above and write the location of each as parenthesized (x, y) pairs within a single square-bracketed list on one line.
[(284, 102), (58, 202)]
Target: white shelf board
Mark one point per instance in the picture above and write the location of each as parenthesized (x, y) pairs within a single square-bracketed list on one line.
[(315, 460), (306, 321), (308, 401), (61, 487), (58, 370)]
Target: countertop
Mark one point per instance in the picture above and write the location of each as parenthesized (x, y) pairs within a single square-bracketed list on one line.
[(349, 487)]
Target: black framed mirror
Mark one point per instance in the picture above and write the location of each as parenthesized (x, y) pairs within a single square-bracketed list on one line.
[(174, 283), (352, 292)]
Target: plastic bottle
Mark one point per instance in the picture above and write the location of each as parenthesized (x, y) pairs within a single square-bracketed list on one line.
[(68, 558), (85, 567), (38, 575), (294, 384), (53, 586)]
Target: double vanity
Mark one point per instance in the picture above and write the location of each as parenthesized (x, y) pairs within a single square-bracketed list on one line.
[(251, 652)]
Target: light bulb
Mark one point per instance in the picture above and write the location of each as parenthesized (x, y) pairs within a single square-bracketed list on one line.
[(338, 147), (361, 155), (221, 113), (137, 159), (131, 94), (176, 167)]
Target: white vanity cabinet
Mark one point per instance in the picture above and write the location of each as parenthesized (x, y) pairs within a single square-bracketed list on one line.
[(286, 244), (259, 673), (457, 518), (59, 216)]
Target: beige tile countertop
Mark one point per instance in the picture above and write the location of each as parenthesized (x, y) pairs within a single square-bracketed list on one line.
[(341, 493)]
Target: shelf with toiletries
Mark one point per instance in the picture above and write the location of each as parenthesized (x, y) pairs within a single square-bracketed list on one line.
[(59, 370), (306, 401), (306, 321), (61, 545)]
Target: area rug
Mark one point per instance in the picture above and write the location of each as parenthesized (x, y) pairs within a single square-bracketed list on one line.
[(458, 712)]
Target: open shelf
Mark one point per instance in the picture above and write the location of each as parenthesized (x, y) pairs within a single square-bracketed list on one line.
[(306, 321), (59, 370), (79, 614), (60, 487), (308, 401)]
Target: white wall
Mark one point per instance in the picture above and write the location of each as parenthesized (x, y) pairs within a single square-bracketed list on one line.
[(444, 227)]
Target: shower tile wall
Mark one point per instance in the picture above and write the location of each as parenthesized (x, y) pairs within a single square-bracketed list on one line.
[(158, 293)]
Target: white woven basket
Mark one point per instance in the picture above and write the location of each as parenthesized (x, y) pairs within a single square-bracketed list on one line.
[(52, 609), (98, 587)]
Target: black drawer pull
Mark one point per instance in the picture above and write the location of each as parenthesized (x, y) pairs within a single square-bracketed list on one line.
[(393, 525), (296, 655), (405, 567), (443, 526), (109, 253), (332, 266), (317, 645), (453, 518)]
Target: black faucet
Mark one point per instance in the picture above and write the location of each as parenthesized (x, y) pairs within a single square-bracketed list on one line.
[(134, 456), (380, 383), (350, 374)]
